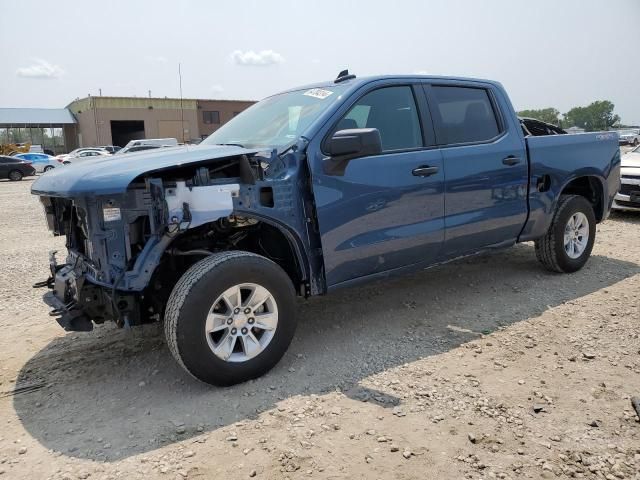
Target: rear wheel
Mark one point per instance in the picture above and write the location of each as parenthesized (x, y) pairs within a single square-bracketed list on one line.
[(47, 168), (230, 317), (15, 175), (635, 142), (567, 245)]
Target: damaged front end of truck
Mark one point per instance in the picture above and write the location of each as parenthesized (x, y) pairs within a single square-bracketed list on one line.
[(133, 226)]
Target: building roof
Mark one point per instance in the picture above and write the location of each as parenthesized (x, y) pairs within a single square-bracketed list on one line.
[(35, 116)]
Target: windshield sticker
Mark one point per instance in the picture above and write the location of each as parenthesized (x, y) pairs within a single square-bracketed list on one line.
[(318, 93)]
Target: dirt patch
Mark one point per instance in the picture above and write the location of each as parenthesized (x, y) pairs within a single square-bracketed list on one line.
[(485, 368)]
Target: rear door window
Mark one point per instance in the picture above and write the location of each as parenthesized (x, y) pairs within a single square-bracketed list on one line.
[(466, 115)]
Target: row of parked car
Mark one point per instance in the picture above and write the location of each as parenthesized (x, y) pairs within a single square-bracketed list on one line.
[(20, 165)]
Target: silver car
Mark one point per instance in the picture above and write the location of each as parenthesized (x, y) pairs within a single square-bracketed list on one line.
[(629, 137), (628, 198)]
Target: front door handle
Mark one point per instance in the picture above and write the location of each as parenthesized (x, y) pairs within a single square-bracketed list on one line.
[(424, 171), (511, 160)]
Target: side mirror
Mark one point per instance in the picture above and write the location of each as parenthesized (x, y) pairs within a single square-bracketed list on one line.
[(345, 145)]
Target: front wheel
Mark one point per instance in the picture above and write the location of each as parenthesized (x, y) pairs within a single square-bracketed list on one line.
[(635, 142), (47, 168), (230, 317), (567, 245)]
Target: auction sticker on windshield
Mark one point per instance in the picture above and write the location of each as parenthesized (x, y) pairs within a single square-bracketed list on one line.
[(318, 93)]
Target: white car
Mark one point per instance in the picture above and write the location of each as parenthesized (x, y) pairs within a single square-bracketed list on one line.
[(74, 153), (629, 137), (85, 155), (40, 161), (628, 198)]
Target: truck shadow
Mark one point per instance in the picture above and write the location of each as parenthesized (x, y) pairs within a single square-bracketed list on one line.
[(112, 394)]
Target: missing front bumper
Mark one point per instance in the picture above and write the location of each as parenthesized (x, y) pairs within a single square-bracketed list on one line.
[(76, 304)]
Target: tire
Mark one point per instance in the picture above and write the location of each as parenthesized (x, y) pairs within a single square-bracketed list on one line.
[(635, 142), (15, 175), (47, 168), (194, 299), (551, 249)]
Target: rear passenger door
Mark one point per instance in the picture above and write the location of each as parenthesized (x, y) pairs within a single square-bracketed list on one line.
[(485, 166)]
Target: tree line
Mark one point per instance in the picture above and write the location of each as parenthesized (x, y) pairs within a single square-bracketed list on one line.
[(594, 117)]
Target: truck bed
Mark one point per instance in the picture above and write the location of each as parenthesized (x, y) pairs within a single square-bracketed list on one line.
[(557, 160)]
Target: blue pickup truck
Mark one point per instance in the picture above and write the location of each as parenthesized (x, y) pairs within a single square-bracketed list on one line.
[(307, 191)]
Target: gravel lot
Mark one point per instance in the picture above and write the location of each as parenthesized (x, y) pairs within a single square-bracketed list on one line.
[(485, 368)]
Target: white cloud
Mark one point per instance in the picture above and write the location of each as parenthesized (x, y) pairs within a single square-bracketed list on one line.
[(217, 88), (40, 69), (251, 58)]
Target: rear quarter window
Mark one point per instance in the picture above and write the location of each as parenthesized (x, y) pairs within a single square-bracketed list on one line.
[(466, 115)]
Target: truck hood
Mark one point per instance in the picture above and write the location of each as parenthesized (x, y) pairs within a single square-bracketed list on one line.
[(112, 174)]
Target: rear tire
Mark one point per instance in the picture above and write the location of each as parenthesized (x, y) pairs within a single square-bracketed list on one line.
[(15, 175), (567, 245), (215, 335), (47, 168)]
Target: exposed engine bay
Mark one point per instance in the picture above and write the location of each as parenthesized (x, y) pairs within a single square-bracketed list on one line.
[(126, 252)]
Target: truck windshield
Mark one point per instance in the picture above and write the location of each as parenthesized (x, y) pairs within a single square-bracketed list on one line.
[(277, 121)]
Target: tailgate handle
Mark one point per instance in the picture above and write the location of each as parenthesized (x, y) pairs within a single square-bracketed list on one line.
[(511, 160), (424, 171)]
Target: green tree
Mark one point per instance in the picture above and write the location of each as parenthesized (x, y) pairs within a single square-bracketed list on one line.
[(597, 116), (549, 115)]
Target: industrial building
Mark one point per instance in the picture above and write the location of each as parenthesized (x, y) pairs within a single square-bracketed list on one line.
[(53, 128), (95, 121)]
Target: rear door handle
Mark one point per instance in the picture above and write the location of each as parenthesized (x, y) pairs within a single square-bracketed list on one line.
[(511, 160), (424, 171)]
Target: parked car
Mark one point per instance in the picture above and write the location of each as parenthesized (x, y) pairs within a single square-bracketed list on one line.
[(138, 148), (307, 191), (148, 144), (629, 137), (74, 153), (85, 154), (162, 142), (15, 168), (628, 198), (40, 161), (111, 148)]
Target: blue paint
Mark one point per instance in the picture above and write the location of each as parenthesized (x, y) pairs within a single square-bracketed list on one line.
[(109, 175), (378, 218)]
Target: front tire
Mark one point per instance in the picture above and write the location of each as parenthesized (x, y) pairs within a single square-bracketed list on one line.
[(230, 317), (567, 245), (47, 168), (15, 175)]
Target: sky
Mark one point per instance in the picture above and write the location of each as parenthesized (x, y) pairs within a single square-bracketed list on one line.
[(547, 53)]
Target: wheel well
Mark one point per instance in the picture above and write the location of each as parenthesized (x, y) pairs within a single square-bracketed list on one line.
[(226, 234), (272, 243), (589, 188), (241, 233)]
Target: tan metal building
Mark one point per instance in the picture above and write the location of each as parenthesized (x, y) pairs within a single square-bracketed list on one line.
[(214, 113), (117, 120)]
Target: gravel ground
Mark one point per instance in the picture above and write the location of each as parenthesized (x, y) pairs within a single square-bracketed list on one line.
[(485, 368)]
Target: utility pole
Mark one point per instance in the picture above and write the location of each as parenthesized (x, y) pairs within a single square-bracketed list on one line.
[(181, 108)]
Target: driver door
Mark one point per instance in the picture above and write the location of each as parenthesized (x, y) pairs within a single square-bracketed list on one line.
[(385, 212)]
